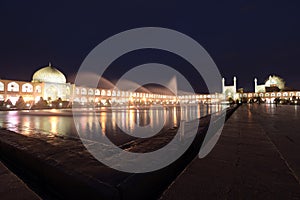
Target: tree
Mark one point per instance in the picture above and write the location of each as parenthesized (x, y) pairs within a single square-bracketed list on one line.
[(244, 100), (108, 103), (20, 104), (294, 98), (277, 100), (8, 102), (259, 100), (41, 103), (231, 101)]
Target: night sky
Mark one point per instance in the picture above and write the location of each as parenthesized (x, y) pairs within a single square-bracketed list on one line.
[(246, 39)]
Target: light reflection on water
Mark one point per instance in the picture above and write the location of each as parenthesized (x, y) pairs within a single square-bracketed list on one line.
[(60, 122)]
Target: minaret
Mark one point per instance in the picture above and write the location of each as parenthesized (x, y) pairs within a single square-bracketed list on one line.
[(255, 85), (223, 85), (234, 84)]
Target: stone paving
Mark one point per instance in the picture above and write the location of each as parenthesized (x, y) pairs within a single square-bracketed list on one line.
[(256, 157), (65, 167), (11, 187)]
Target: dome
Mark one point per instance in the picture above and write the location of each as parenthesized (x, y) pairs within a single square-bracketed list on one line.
[(275, 81), (49, 74)]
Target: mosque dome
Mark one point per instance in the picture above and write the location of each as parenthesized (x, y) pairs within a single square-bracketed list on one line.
[(49, 74), (275, 81)]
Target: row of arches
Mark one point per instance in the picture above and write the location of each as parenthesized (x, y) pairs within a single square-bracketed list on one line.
[(85, 91), (16, 87), (273, 94), (115, 93)]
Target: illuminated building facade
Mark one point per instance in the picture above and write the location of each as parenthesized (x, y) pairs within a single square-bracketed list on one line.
[(229, 91), (49, 84), (54, 83), (273, 88)]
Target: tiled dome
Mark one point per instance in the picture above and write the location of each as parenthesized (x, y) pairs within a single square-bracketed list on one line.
[(275, 81), (49, 74)]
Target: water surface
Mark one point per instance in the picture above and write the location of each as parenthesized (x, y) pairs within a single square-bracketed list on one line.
[(50, 123)]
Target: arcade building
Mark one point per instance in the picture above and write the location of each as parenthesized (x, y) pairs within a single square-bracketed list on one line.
[(49, 85), (273, 89)]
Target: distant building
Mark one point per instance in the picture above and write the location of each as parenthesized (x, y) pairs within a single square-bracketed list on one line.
[(273, 88), (273, 84), (50, 84), (54, 83), (230, 91)]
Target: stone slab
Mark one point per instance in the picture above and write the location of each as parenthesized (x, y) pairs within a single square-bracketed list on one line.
[(11, 187), (66, 167), (245, 164)]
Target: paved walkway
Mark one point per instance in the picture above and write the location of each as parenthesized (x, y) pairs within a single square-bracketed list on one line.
[(250, 161), (11, 187)]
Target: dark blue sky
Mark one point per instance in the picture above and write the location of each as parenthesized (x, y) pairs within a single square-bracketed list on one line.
[(245, 38)]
